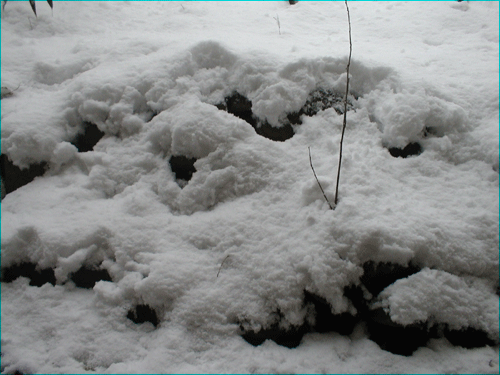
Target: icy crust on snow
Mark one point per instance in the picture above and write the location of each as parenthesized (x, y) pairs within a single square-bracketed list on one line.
[(435, 296)]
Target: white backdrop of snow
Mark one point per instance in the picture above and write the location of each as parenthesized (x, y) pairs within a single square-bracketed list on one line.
[(252, 201)]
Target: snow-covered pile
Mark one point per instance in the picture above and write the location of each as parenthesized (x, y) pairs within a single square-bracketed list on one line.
[(242, 246)]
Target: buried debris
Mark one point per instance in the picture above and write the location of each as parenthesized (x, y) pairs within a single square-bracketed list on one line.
[(37, 276), (142, 314)]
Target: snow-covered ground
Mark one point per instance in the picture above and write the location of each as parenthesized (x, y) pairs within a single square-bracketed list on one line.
[(242, 245)]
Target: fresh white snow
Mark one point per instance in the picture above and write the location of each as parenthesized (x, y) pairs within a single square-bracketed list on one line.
[(251, 231)]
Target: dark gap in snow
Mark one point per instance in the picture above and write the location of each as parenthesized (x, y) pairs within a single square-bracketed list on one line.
[(411, 149), (325, 320), (241, 107), (142, 314), (378, 276), (289, 337), (183, 168), (468, 337), (292, 2), (87, 276), (355, 294), (430, 131), (88, 139), (149, 115), (281, 134), (37, 276), (394, 337), (14, 177), (319, 100)]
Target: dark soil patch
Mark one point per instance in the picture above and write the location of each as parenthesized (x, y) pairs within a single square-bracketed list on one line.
[(142, 314), (389, 335), (88, 139), (468, 338), (183, 168), (241, 107), (87, 276), (411, 149), (325, 320), (394, 337), (37, 276), (289, 337), (14, 177), (319, 100), (378, 276)]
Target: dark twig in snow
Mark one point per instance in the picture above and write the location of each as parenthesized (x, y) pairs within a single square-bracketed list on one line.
[(277, 18), (311, 163), (222, 264), (345, 105)]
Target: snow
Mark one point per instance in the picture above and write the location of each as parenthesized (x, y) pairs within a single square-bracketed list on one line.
[(434, 293), (239, 244)]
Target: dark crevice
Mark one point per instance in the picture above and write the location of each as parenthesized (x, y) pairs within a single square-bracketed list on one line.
[(37, 276), (289, 337), (183, 168), (389, 335), (325, 320), (411, 149), (394, 337), (14, 177), (378, 276), (87, 276), (273, 133), (468, 338), (319, 100), (142, 314), (88, 139), (241, 107)]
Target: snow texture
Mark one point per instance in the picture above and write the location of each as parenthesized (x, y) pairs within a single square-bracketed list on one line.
[(240, 242)]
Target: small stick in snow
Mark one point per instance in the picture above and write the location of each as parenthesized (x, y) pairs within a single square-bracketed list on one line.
[(345, 105), (222, 264), (324, 195), (278, 21)]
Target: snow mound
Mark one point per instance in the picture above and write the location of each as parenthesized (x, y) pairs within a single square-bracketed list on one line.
[(435, 296), (160, 269)]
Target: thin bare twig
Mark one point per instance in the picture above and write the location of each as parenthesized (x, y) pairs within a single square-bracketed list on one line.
[(277, 18), (324, 195), (345, 105), (222, 264)]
